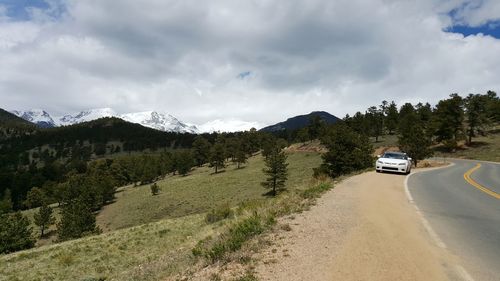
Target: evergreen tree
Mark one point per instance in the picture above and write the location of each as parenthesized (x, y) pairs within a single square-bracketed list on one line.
[(375, 119), (185, 162), (448, 121), (44, 218), (218, 157), (476, 114), (348, 151), (316, 127), (493, 106), (77, 220), (276, 170), (35, 198), (392, 118), (15, 233), (201, 150), (410, 138), (241, 156), (6, 202)]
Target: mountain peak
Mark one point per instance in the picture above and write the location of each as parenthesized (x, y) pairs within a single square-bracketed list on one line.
[(301, 121), (37, 116)]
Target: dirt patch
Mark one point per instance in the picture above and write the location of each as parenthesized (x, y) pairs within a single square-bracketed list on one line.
[(364, 229), (432, 163), (381, 150), (312, 146)]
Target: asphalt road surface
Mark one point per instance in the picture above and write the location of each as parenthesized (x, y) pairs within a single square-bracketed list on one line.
[(462, 204)]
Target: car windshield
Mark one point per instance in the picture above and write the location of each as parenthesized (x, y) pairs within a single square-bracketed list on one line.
[(394, 156)]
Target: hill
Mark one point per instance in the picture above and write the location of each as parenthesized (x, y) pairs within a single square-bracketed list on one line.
[(11, 125), (10, 120), (150, 237), (300, 121)]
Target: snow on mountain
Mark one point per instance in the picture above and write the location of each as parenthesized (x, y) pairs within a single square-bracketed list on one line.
[(227, 125), (152, 119), (85, 116), (159, 121), (36, 116)]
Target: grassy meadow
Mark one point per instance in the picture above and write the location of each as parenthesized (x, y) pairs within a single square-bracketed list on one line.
[(151, 237), (200, 191)]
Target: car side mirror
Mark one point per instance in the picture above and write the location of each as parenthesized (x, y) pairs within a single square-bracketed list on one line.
[(378, 156), (409, 159)]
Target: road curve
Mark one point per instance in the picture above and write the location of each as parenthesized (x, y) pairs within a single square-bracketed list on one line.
[(460, 204)]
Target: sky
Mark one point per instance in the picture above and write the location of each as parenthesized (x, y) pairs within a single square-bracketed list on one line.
[(256, 61)]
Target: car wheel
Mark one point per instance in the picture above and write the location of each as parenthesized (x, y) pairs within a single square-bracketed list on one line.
[(408, 171)]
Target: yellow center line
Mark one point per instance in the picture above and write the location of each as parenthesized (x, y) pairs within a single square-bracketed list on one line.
[(467, 177)]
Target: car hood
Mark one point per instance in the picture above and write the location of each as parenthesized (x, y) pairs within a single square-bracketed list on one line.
[(392, 161)]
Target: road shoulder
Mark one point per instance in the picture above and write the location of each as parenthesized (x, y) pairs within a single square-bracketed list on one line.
[(364, 229)]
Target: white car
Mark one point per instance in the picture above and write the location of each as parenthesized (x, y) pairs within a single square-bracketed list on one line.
[(391, 161)]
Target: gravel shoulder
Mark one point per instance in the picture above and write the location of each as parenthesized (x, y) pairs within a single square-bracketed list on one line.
[(363, 229)]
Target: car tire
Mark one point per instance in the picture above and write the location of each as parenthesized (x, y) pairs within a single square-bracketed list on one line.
[(378, 171)]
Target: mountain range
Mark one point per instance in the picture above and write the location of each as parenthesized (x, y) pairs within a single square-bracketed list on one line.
[(152, 119)]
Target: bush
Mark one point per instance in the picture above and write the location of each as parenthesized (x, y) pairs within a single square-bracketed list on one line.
[(233, 239), (316, 191), (220, 213), (155, 189)]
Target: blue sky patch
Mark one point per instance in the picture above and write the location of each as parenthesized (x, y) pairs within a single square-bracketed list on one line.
[(491, 28), (19, 10)]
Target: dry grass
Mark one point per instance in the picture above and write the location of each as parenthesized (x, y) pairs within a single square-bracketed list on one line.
[(165, 228), (200, 192), (485, 148)]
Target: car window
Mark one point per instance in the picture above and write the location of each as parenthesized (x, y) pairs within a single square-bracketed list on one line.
[(395, 156)]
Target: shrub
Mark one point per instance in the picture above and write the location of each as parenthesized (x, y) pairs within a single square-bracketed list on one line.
[(155, 189), (220, 213)]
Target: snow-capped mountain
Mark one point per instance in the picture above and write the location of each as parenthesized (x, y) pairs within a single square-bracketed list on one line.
[(227, 125), (159, 121), (85, 116), (152, 119), (37, 116)]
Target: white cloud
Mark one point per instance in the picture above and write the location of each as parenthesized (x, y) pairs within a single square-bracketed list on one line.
[(184, 57)]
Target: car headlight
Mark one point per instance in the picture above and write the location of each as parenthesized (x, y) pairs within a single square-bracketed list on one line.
[(402, 164), (380, 162)]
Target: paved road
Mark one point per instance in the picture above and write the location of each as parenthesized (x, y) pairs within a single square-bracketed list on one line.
[(464, 217)]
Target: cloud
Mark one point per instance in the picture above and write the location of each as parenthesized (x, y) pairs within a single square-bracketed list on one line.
[(258, 60)]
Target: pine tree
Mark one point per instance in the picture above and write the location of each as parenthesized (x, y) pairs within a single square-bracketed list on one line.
[(276, 171), (448, 121), (15, 233), (348, 151), (375, 119), (392, 118), (412, 138), (201, 150), (185, 162), (476, 115), (77, 220), (35, 198), (241, 156), (6, 202), (44, 218), (218, 157)]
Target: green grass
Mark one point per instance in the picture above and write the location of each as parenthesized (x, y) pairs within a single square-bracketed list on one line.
[(200, 192), (156, 234)]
